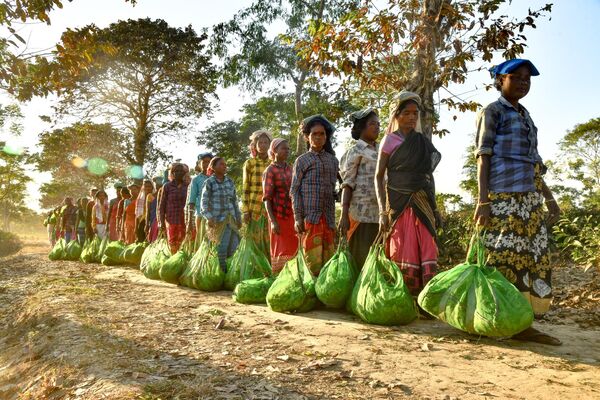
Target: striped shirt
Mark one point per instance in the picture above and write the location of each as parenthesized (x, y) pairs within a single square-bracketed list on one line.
[(252, 186), (509, 136), (219, 199), (313, 187)]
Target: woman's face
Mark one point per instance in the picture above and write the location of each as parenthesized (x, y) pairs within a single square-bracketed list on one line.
[(282, 152), (317, 137), (408, 117), (371, 131), (262, 145), (204, 163), (220, 167), (516, 85), (178, 172), (102, 197)]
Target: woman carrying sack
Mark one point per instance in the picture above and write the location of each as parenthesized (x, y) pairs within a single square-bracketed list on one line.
[(409, 217)]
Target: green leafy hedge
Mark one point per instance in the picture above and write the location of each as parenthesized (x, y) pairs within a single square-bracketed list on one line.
[(9, 244)]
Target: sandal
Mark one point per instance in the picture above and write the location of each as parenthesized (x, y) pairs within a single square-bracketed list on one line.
[(533, 335)]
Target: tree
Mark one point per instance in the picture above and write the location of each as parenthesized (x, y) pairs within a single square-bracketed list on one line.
[(422, 46), (252, 58), (13, 172), (78, 157), (15, 61), (580, 155), (146, 77)]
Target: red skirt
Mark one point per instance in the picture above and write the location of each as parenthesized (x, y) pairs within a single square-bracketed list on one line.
[(319, 244), (175, 236), (284, 245), (412, 247)]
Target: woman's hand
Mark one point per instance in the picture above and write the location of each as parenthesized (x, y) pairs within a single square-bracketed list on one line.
[(482, 214), (275, 227), (299, 227), (344, 224), (553, 212), (211, 223), (439, 221), (247, 217)]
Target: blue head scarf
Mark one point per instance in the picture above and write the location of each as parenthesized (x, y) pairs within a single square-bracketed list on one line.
[(511, 65)]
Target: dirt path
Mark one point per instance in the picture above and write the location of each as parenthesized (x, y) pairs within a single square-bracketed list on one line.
[(70, 330)]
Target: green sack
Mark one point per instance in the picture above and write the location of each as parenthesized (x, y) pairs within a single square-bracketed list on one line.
[(132, 254), (248, 262), (72, 251), (58, 251), (207, 273), (101, 249), (90, 249), (477, 299), (154, 257), (380, 295), (294, 288), (337, 278), (253, 291), (176, 264), (113, 254)]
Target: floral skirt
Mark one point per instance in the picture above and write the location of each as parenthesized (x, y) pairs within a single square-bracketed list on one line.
[(517, 245)]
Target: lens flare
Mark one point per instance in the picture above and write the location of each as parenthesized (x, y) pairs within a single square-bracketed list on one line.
[(97, 166), (78, 162), (13, 149), (135, 172)]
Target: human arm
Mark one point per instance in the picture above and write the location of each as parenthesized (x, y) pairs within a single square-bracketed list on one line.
[(553, 207), (206, 200), (296, 195), (268, 192), (349, 172), (382, 162), (246, 191)]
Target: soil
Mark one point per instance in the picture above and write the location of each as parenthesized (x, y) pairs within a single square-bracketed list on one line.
[(77, 331)]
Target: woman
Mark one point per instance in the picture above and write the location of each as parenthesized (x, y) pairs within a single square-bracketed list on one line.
[(194, 221), (512, 192), (221, 211), (277, 180), (313, 192), (172, 206), (151, 228), (253, 210), (81, 218), (359, 219), (100, 214), (113, 233), (409, 217), (129, 214)]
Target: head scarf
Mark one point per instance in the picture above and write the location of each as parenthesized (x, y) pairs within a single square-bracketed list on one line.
[(273, 147), (254, 139), (511, 65), (357, 116), (205, 155), (396, 104), (308, 123)]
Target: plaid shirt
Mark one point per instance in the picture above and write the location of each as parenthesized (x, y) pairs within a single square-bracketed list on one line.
[(276, 188), (252, 186), (219, 199), (313, 187), (357, 169), (509, 136), (172, 203)]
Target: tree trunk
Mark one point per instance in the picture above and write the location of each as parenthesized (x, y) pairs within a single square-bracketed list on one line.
[(300, 143)]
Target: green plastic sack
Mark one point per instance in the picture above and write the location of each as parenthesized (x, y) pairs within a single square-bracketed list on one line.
[(294, 288), (101, 249), (154, 257), (253, 291), (248, 262), (90, 249), (337, 278), (132, 254), (380, 295), (72, 251), (477, 299), (176, 264), (113, 254), (58, 251), (208, 275)]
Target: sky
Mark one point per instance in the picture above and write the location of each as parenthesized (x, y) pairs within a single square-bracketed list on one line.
[(565, 49)]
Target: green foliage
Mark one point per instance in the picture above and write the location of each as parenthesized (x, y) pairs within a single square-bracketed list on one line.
[(422, 46), (578, 238), (144, 76), (66, 152), (9, 244), (454, 236)]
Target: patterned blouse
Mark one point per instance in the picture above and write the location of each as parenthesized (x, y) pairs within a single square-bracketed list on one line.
[(357, 169), (252, 186), (219, 199), (276, 188), (313, 187), (509, 136)]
